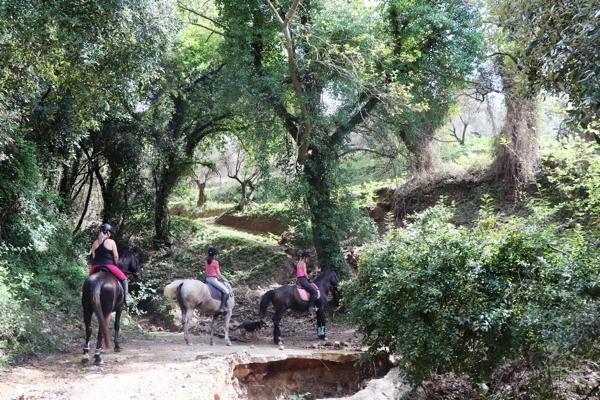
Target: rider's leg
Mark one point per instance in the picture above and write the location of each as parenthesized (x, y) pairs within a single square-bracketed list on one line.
[(126, 297), (223, 289), (313, 293)]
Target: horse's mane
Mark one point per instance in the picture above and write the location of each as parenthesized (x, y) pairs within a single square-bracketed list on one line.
[(325, 274), (125, 258)]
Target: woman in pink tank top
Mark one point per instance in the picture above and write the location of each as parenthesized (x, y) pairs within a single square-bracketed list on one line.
[(213, 274), (302, 280)]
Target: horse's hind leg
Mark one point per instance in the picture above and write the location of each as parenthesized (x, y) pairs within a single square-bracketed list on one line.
[(276, 330), (212, 329), (99, 347), (117, 328), (87, 320), (186, 317), (226, 328)]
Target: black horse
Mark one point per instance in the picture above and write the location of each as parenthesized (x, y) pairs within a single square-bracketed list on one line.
[(285, 297), (103, 294)]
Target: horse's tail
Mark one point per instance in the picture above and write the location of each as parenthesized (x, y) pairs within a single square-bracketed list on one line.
[(100, 314), (264, 302), (171, 289), (179, 298)]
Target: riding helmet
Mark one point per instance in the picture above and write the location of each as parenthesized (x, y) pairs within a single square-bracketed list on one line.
[(106, 228), (212, 252)]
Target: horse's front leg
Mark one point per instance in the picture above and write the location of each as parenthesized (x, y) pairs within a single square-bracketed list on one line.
[(226, 328), (321, 324), (117, 328)]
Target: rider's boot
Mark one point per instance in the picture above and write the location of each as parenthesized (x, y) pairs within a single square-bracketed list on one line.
[(311, 307), (127, 298), (224, 301)]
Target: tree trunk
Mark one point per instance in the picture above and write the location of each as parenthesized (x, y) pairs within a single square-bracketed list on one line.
[(201, 195), (161, 215), (517, 150), (164, 182), (421, 148), (326, 236), (87, 201), (242, 203), (68, 179)]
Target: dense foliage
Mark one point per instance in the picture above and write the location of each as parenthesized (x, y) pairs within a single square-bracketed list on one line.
[(466, 300), (109, 108)]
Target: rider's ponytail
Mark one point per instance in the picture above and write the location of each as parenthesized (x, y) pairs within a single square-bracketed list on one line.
[(212, 252)]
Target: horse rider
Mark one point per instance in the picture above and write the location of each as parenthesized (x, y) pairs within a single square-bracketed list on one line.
[(105, 254), (213, 274), (302, 280)]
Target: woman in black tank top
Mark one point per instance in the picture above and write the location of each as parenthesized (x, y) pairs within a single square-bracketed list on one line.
[(108, 258), (103, 256)]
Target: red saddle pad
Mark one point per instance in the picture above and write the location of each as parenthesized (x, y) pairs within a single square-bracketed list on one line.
[(304, 294)]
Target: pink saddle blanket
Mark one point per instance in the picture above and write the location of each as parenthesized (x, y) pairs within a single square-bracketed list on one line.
[(305, 294)]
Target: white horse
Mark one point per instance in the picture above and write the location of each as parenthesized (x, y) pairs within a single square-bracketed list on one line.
[(192, 294)]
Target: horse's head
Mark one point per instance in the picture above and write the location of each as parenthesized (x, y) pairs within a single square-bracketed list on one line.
[(130, 263), (334, 280), (330, 278)]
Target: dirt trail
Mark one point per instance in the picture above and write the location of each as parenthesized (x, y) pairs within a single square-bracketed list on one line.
[(155, 366)]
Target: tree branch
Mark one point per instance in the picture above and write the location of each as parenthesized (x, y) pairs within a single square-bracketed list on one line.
[(342, 130), (302, 135), (206, 27), (201, 15)]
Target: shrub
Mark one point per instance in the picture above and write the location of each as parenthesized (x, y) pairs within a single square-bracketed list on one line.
[(465, 300)]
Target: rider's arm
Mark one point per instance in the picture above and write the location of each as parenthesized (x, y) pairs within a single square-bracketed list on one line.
[(115, 252), (93, 249), (218, 270)]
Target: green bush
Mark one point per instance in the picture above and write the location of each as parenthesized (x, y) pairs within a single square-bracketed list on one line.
[(40, 270), (465, 300), (573, 183)]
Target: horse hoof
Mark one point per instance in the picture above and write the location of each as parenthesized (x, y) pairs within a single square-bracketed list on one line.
[(117, 349), (97, 360), (281, 347), (228, 343), (85, 359)]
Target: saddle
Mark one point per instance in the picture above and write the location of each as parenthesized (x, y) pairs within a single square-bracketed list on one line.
[(214, 292), (102, 268), (305, 294)]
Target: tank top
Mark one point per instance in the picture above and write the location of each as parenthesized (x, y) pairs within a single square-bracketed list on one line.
[(211, 269), (299, 271), (103, 256)]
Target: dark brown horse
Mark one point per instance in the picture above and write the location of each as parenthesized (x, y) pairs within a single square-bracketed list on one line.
[(285, 297), (103, 294)]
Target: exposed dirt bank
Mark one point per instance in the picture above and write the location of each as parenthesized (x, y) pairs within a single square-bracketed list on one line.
[(156, 366)]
